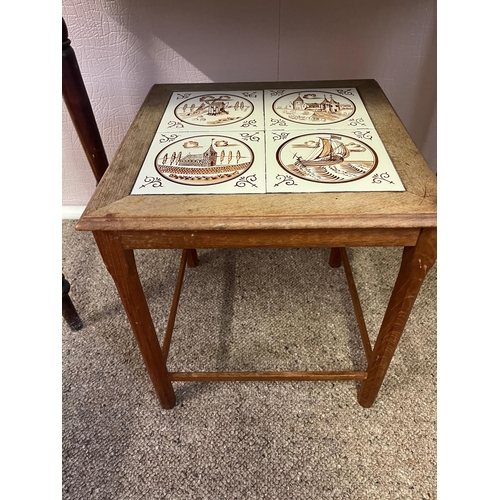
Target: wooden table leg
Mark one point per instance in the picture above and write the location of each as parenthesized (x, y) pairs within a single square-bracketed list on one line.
[(68, 309), (335, 257), (121, 265), (415, 264), (192, 257)]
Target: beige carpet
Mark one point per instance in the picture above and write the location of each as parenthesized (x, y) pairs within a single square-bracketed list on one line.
[(246, 310)]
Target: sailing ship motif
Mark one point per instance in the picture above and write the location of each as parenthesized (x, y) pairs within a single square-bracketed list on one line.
[(329, 160), (332, 152)]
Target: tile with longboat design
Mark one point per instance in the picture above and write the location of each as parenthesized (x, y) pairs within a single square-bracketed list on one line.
[(328, 161), (203, 163), (224, 110), (331, 108)]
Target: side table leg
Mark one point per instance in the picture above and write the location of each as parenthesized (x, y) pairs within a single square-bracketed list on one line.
[(68, 309), (415, 264), (121, 265), (335, 257), (192, 257)]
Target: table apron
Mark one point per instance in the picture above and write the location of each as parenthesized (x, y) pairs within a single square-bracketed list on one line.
[(288, 238)]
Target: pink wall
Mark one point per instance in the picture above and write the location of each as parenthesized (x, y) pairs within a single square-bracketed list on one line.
[(125, 46)]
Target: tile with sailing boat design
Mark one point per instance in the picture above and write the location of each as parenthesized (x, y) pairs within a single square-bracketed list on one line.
[(331, 108), (232, 110), (301, 161), (203, 163)]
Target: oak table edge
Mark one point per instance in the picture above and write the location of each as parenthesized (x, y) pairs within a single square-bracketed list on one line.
[(120, 178)]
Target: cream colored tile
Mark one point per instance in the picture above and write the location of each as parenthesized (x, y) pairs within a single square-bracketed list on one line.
[(317, 108), (203, 163), (333, 161), (315, 140), (238, 110)]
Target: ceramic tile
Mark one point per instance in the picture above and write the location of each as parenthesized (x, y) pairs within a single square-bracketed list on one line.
[(315, 140), (331, 108), (238, 110), (334, 161), (203, 163)]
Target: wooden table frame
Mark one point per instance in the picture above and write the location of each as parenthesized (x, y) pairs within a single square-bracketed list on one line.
[(122, 223)]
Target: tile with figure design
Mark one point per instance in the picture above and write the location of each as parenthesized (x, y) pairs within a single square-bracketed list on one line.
[(221, 111), (203, 163), (330, 108)]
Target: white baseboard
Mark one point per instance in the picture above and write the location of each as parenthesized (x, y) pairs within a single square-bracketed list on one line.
[(72, 212)]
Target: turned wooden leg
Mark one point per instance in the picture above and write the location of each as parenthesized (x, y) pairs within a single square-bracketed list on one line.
[(79, 108), (68, 309), (192, 257), (121, 265), (415, 264), (335, 258)]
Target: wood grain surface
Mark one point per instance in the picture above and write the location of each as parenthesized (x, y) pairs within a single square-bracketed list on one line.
[(122, 223), (112, 208)]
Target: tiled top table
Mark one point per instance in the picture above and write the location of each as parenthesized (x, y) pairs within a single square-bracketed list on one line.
[(281, 164)]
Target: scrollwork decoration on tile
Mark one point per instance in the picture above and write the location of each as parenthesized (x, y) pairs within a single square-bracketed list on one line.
[(363, 135), (279, 122), (344, 91), (248, 180), (355, 122), (154, 182), (275, 93), (250, 94), (167, 138), (377, 179), (250, 137), (249, 123), (183, 96), (174, 124), (280, 136), (287, 179)]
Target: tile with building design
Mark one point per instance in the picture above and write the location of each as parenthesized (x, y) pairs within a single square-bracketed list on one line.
[(234, 110), (289, 109), (328, 161), (203, 163)]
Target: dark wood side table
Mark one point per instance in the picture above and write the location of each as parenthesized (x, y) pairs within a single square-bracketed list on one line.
[(78, 104), (121, 223)]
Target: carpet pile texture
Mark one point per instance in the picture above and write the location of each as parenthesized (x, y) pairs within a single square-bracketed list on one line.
[(248, 310)]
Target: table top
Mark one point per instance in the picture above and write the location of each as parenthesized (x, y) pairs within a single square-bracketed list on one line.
[(113, 208)]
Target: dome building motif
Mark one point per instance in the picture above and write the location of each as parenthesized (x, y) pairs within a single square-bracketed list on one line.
[(314, 108)]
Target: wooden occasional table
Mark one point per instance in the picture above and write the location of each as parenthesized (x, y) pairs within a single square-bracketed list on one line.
[(121, 223)]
